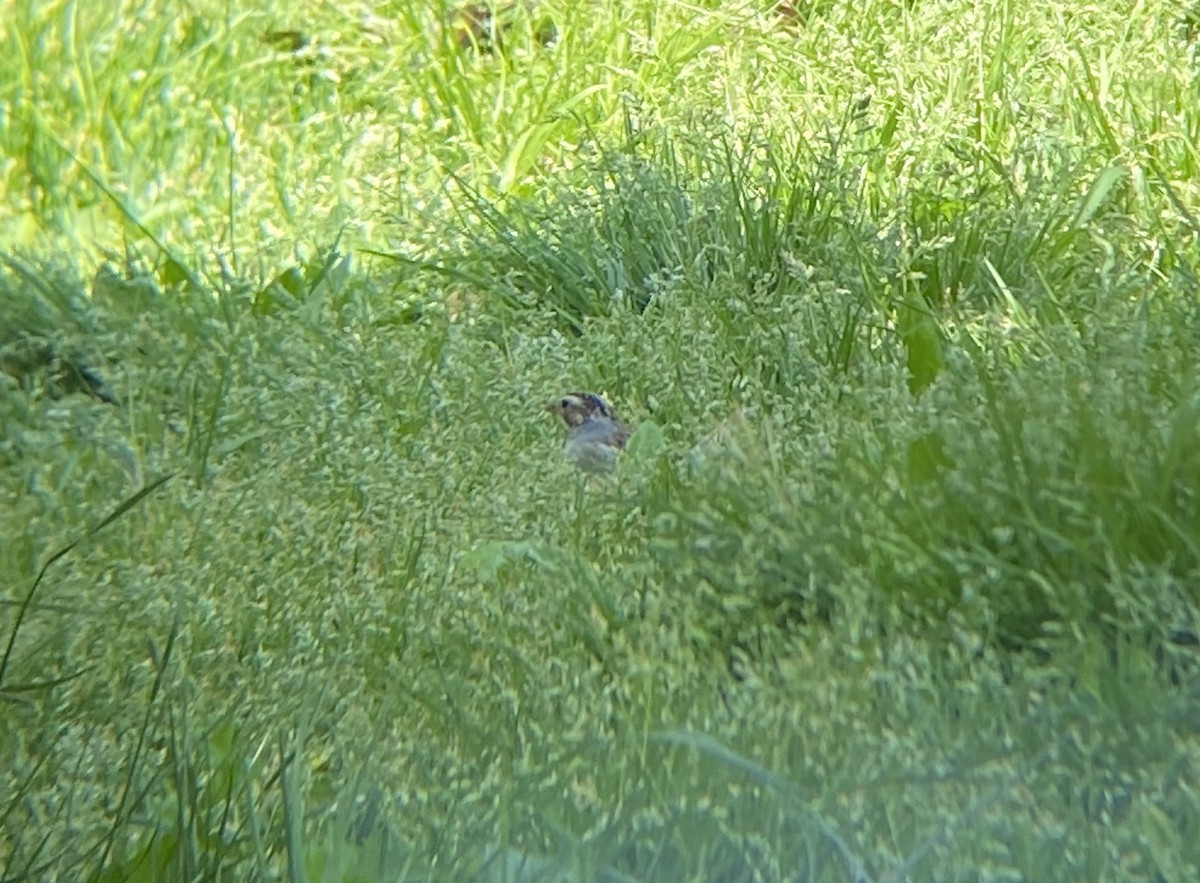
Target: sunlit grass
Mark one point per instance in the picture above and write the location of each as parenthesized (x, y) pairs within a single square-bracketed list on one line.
[(897, 580)]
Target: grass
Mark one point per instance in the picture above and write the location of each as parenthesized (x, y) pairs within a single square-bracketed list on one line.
[(895, 581)]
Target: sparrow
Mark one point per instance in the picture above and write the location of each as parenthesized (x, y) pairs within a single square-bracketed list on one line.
[(594, 434)]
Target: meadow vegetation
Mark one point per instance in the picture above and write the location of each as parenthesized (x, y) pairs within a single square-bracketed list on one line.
[(897, 579)]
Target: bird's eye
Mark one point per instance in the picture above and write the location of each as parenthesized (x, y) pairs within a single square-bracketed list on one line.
[(565, 404)]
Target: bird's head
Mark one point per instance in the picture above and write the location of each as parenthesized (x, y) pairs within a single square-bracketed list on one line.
[(576, 408)]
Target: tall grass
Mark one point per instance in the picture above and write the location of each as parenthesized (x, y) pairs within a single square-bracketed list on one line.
[(895, 581)]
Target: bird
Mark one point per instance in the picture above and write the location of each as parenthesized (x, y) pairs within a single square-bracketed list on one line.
[(594, 434)]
